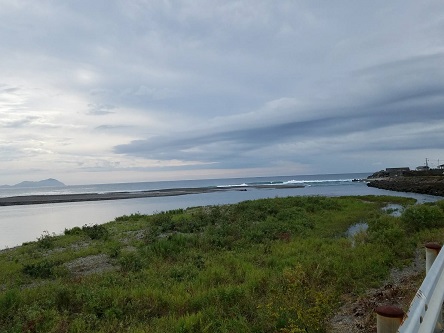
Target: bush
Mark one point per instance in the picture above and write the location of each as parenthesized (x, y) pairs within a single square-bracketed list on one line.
[(420, 217), (130, 262), (163, 221), (73, 231), (96, 231), (130, 218), (46, 241), (113, 248), (440, 204), (67, 300), (9, 302), (387, 230), (92, 231), (43, 269)]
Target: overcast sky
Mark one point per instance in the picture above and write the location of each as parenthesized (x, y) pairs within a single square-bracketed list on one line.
[(134, 90)]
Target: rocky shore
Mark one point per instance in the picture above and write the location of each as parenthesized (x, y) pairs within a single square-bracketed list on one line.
[(432, 185)]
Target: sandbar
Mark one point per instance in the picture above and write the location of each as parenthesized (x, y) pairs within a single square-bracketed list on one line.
[(60, 198)]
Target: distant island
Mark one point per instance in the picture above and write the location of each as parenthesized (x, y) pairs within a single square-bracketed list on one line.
[(50, 182)]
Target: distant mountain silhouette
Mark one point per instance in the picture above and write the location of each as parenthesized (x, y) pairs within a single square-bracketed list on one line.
[(51, 182)]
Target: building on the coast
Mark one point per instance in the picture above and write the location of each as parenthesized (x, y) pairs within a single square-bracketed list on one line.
[(424, 167), (396, 171), (441, 166)]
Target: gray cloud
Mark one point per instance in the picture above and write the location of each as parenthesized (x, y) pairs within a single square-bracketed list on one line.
[(100, 109), (393, 94), (228, 85)]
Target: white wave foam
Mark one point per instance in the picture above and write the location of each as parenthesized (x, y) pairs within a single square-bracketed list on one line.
[(234, 185), (305, 182), (317, 181)]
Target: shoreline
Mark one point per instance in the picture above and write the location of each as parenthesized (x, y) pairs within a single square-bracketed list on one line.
[(63, 198), (429, 185)]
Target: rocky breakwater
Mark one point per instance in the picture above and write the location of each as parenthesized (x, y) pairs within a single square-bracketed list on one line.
[(432, 185)]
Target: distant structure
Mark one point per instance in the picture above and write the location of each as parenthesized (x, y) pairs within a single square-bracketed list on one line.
[(393, 172), (424, 167), (422, 170)]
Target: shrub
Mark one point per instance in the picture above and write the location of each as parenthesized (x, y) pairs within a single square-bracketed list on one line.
[(421, 217), (46, 241), (170, 247), (130, 262), (189, 225), (43, 269), (387, 230), (163, 221), (113, 248), (151, 234), (96, 231), (73, 231), (9, 302), (67, 300), (440, 204), (129, 218)]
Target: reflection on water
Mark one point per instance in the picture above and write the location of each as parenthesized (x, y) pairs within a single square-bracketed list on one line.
[(393, 209), (357, 228)]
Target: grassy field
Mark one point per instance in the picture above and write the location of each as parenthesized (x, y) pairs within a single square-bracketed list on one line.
[(271, 265)]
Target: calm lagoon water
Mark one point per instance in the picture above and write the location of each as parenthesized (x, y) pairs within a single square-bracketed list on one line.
[(20, 224)]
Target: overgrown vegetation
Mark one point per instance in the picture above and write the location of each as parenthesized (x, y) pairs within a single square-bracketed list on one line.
[(92, 231), (270, 265)]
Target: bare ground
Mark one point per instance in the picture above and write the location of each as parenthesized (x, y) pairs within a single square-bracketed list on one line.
[(90, 265)]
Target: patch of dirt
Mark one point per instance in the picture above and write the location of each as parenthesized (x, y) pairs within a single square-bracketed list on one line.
[(357, 314), (130, 236), (94, 264)]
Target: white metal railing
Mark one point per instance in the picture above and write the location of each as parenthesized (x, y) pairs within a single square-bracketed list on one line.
[(424, 314), (425, 311)]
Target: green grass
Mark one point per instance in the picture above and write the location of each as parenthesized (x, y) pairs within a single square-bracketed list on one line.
[(269, 265)]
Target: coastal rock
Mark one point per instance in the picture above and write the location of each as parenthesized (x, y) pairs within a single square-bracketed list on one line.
[(432, 185)]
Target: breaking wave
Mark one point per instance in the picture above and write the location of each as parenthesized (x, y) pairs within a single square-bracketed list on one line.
[(302, 182)]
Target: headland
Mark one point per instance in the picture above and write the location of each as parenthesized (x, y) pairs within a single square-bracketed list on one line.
[(429, 182)]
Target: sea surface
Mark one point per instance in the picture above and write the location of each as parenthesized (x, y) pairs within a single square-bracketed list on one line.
[(20, 224)]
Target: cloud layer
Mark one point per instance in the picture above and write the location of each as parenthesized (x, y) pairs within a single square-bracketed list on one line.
[(111, 91)]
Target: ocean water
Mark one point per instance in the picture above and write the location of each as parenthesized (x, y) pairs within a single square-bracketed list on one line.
[(305, 180), (20, 224)]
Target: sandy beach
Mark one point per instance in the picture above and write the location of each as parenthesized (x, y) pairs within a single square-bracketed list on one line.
[(59, 198)]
